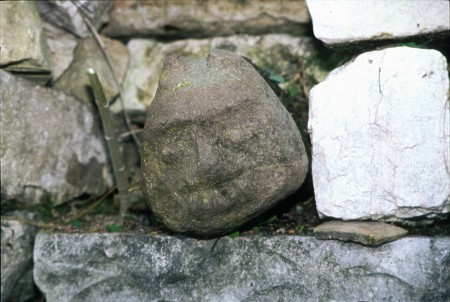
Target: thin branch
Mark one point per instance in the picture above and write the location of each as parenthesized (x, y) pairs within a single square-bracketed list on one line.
[(128, 133), (30, 222), (304, 79), (92, 206)]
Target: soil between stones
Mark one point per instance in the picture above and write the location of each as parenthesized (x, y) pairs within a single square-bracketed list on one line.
[(289, 217)]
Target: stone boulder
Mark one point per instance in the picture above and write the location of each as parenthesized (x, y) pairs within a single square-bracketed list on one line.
[(218, 146), (88, 54), (23, 45), (17, 240), (205, 18), (380, 135), (62, 45), (127, 267), (68, 15), (52, 146), (347, 21)]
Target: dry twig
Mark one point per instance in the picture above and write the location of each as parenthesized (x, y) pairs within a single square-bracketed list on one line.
[(120, 173)]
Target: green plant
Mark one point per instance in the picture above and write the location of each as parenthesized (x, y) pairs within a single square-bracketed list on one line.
[(412, 45), (113, 228), (301, 229), (292, 91), (274, 77), (234, 235), (76, 222)]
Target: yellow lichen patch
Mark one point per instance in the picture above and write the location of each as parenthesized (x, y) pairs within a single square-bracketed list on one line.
[(182, 84)]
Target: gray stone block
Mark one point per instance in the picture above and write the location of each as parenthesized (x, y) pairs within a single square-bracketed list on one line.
[(126, 267), (210, 18), (52, 146), (17, 240)]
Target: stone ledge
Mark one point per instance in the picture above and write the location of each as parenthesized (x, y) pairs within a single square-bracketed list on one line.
[(365, 232), (127, 267)]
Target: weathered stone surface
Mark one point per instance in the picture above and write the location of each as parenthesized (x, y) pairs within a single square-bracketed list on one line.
[(278, 52), (205, 18), (218, 146), (17, 259), (67, 14), (23, 45), (52, 149), (381, 135), (87, 54), (338, 22), (62, 45), (126, 267), (370, 233)]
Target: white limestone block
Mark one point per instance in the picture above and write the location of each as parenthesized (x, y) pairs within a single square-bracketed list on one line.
[(380, 137), (344, 21)]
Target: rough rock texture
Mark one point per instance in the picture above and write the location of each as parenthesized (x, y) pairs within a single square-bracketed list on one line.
[(67, 14), (87, 54), (23, 45), (277, 52), (62, 45), (17, 257), (370, 233), (218, 146), (125, 267), (380, 134), (52, 149), (205, 18), (338, 22)]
